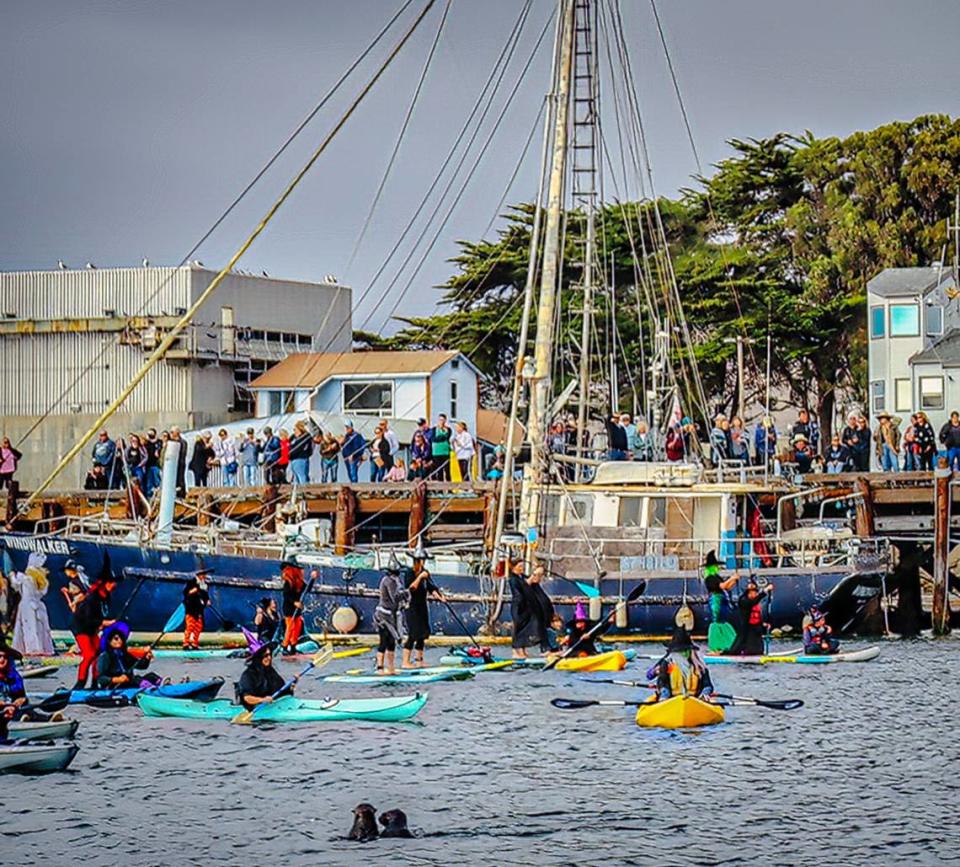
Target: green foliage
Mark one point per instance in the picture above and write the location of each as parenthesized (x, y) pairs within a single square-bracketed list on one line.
[(784, 235)]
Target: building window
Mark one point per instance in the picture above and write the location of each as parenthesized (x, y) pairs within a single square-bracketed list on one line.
[(453, 400), (902, 395), (280, 402), (877, 321), (931, 392), (934, 321), (878, 395), (904, 320), (368, 398)]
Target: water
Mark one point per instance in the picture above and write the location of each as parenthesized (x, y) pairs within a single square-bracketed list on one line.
[(865, 773)]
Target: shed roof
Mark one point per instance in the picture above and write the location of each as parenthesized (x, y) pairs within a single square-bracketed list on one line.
[(945, 351), (310, 369), (898, 282)]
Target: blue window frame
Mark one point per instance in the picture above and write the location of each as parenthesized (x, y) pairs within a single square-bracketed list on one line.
[(904, 320), (877, 321)]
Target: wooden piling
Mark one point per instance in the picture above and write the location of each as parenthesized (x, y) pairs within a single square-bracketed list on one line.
[(344, 521), (418, 514), (941, 548), (864, 508)]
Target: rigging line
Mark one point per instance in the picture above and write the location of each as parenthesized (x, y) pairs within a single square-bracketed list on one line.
[(696, 157), (463, 186), (230, 208), (506, 53), (171, 337), (396, 146)]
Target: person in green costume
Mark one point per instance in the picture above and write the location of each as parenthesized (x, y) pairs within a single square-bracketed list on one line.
[(721, 633)]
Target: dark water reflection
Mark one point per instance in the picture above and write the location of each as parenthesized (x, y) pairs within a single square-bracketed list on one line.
[(866, 773)]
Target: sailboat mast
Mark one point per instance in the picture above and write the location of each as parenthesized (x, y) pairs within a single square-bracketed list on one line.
[(546, 311), (585, 184)]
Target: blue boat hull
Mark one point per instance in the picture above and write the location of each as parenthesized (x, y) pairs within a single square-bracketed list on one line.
[(154, 583)]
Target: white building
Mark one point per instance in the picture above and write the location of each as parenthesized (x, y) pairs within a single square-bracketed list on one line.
[(914, 342), (70, 340)]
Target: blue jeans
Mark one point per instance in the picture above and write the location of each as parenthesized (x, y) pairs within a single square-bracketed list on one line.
[(329, 470), (616, 455), (353, 469), (300, 467), (250, 474), (910, 461), (953, 458), (377, 473), (888, 460)]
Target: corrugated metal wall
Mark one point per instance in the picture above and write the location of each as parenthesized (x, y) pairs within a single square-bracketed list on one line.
[(87, 293), (38, 371)]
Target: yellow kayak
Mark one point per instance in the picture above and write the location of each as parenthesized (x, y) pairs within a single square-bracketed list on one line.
[(679, 712), (613, 660)]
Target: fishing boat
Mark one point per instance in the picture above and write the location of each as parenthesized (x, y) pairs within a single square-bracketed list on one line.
[(602, 523)]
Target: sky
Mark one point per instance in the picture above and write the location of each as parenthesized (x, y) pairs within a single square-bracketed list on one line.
[(130, 125)]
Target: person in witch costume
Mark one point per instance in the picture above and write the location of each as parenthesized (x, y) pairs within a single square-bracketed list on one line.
[(421, 588), (260, 680), (682, 670), (13, 694), (386, 616), (90, 615), (267, 620), (580, 626), (752, 627), (196, 598), (721, 634), (294, 589), (531, 611), (116, 665)]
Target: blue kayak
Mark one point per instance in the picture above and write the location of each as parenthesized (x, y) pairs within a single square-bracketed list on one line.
[(459, 657), (198, 690)]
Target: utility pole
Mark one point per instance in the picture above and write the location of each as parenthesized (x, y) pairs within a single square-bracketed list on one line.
[(543, 347)]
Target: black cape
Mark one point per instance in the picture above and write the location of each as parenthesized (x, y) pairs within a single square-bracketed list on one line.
[(418, 613), (532, 613)]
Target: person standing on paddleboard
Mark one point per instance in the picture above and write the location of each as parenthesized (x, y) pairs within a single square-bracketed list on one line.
[(89, 617), (531, 611), (267, 620), (195, 600), (293, 590), (721, 632), (420, 587), (386, 616), (78, 585), (750, 640)]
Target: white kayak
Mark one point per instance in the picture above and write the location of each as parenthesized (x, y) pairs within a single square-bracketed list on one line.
[(27, 758), (51, 730), (864, 655)]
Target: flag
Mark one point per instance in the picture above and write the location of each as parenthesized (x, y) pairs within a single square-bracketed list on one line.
[(676, 416)]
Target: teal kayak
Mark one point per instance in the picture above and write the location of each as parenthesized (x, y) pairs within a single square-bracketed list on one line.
[(420, 676), (476, 662), (290, 709)]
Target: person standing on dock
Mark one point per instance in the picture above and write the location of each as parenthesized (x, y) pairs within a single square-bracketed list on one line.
[(440, 438), (856, 437), (838, 456), (9, 458), (249, 454), (196, 598), (950, 438), (271, 457), (104, 454), (301, 450), (465, 448), (809, 428), (352, 448), (926, 442), (887, 440)]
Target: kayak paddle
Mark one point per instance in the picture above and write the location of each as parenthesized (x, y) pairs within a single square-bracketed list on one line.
[(52, 703), (229, 625), (731, 701), (245, 717), (463, 626), (174, 622), (634, 594), (745, 701), (577, 704)]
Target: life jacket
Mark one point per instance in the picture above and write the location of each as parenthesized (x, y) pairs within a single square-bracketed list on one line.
[(684, 678), (756, 615)]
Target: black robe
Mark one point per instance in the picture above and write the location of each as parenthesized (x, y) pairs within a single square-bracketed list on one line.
[(750, 637), (418, 613), (532, 613), (258, 681)]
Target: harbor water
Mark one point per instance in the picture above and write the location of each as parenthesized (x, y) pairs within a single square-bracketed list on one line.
[(491, 773)]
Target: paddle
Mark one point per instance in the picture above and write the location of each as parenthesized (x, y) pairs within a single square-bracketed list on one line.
[(51, 704), (730, 700), (245, 717), (229, 625), (587, 590), (634, 594), (485, 652)]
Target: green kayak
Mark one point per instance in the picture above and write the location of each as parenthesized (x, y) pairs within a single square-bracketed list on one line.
[(290, 709)]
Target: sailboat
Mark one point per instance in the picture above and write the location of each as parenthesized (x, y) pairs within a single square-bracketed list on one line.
[(597, 525)]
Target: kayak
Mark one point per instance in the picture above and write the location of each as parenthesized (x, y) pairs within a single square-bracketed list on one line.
[(526, 662), (413, 677), (38, 671), (21, 730), (864, 655), (679, 712), (290, 709), (201, 690), (36, 758), (613, 660), (498, 665)]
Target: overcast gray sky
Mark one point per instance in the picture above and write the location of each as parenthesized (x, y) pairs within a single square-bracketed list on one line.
[(128, 125)]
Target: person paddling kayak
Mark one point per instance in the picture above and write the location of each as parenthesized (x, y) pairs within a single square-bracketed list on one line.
[(386, 616), (420, 588), (580, 626), (818, 636), (12, 691), (260, 680), (752, 628), (89, 617), (196, 598), (682, 670), (116, 665), (721, 633)]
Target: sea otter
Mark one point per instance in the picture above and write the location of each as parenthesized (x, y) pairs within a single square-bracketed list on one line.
[(394, 824), (364, 824)]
